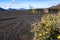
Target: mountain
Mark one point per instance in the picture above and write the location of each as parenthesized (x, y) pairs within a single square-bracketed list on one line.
[(1, 9), (12, 9), (55, 7), (22, 9)]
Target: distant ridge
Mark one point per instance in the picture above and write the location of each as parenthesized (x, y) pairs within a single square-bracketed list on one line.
[(1, 9), (22, 9), (11, 9), (55, 7)]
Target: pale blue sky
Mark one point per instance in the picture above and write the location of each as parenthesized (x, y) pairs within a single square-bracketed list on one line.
[(25, 3)]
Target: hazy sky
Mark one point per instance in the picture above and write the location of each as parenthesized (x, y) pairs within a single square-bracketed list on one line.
[(25, 3)]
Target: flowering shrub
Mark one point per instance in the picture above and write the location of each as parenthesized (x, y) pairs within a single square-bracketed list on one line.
[(48, 28)]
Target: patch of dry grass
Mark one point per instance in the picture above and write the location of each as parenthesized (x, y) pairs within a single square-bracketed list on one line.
[(48, 28)]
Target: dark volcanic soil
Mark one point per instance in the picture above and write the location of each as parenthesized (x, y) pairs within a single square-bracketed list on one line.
[(15, 25)]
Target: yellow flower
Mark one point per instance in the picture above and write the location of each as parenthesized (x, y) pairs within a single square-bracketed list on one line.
[(58, 37), (43, 33), (46, 24), (40, 35), (48, 29)]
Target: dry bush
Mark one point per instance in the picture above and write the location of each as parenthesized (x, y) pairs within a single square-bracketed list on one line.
[(48, 28)]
